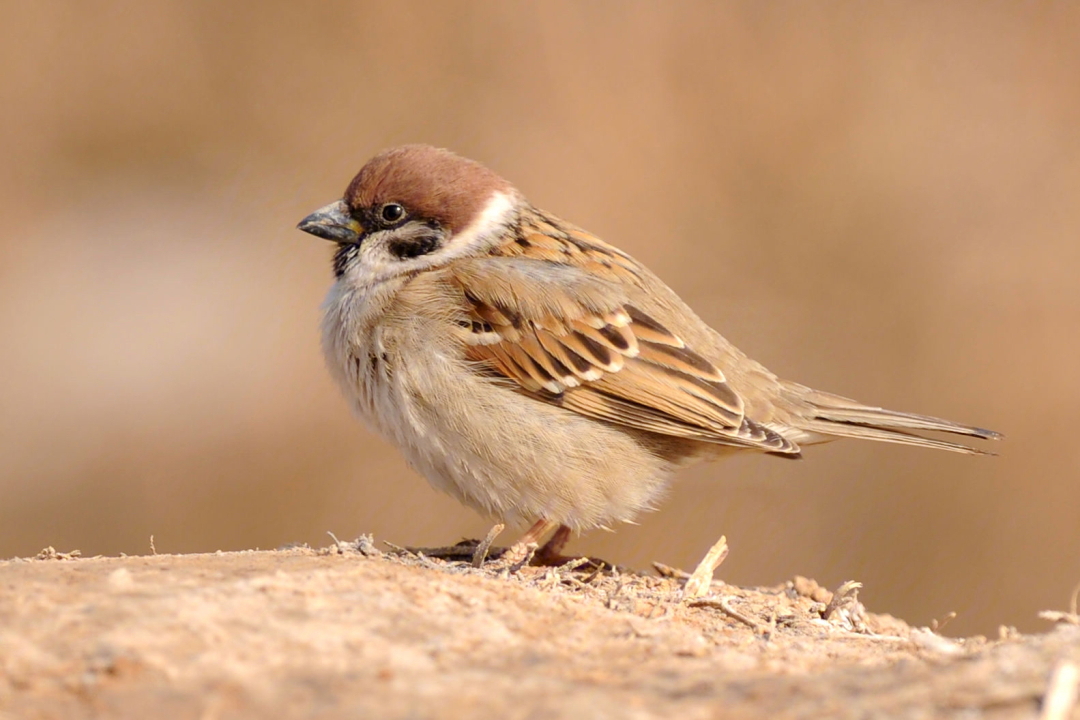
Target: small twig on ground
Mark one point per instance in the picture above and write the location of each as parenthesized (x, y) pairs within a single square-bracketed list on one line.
[(574, 564), (701, 580), (481, 552), (364, 545), (724, 605), (50, 553), (563, 573), (337, 543), (398, 549), (936, 626), (670, 572), (848, 590), (1069, 618), (1060, 698), (462, 551), (1057, 616), (595, 574)]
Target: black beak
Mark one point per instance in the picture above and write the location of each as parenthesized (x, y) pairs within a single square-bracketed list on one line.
[(334, 223)]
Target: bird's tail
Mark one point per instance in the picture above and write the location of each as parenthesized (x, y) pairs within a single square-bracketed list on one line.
[(834, 416)]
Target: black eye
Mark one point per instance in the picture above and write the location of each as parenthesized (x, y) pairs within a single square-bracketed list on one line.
[(392, 212)]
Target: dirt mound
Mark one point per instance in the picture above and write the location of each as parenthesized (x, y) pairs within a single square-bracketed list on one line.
[(353, 631)]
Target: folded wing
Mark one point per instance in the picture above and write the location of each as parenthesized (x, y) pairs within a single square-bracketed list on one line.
[(571, 338)]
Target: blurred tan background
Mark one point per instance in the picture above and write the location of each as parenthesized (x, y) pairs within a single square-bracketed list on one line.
[(881, 200)]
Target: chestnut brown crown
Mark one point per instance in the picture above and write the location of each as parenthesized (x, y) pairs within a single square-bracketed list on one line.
[(429, 182)]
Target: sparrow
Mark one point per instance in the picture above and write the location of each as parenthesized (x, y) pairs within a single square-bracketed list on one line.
[(535, 372)]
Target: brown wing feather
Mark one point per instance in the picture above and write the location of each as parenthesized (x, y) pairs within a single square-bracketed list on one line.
[(569, 336)]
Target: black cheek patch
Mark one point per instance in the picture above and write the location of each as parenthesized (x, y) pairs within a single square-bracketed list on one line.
[(343, 257), (415, 247)]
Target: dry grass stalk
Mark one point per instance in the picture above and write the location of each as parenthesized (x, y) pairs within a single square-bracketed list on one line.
[(481, 552), (701, 580)]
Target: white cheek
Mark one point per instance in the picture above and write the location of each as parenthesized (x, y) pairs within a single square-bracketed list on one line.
[(486, 229), (373, 265)]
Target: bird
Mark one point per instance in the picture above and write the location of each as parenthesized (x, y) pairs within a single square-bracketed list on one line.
[(537, 373)]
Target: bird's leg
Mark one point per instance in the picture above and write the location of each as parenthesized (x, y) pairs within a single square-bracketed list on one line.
[(530, 540), (551, 551), (539, 529), (550, 554)]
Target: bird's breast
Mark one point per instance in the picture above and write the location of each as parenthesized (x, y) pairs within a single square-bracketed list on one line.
[(355, 345)]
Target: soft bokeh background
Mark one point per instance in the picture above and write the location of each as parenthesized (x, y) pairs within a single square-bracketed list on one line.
[(881, 200)]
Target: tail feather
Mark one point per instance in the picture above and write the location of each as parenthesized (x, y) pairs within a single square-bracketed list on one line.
[(833, 415)]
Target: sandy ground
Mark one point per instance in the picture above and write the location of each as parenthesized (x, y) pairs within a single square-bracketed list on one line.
[(365, 630)]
